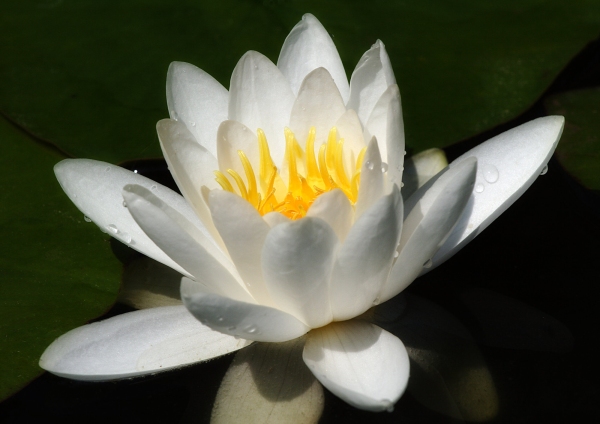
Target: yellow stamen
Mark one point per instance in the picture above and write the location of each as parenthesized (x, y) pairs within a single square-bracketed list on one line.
[(324, 172)]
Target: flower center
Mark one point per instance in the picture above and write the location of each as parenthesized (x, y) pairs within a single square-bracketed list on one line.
[(308, 175)]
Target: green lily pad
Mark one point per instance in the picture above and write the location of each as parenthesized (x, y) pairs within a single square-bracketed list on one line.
[(57, 273), (579, 148), (89, 76)]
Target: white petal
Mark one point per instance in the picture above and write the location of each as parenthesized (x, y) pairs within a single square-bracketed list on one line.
[(269, 383), (192, 168), (244, 231), (371, 77), (363, 262), (318, 105), (395, 142), (95, 188), (371, 179), (297, 259), (231, 138), (335, 209), (240, 319), (508, 164), (420, 168), (359, 362), (308, 47), (260, 97), (387, 117), (428, 222), (177, 238), (198, 100), (136, 343)]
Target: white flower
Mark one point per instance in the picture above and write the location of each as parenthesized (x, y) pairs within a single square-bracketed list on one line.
[(302, 230)]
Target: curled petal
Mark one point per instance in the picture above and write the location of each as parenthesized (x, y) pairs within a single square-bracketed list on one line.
[(297, 259), (240, 319), (431, 213), (307, 47), (198, 100), (136, 343), (508, 164), (371, 77), (187, 247), (359, 362), (363, 262)]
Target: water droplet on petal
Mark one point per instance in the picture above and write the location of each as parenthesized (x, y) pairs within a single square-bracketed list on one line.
[(124, 204), (401, 184), (231, 328), (135, 171), (107, 169), (112, 228), (428, 264), (490, 173), (544, 170), (153, 187), (193, 124), (370, 165), (396, 254), (87, 219), (220, 319), (251, 329), (126, 238), (479, 188), (384, 167), (405, 153)]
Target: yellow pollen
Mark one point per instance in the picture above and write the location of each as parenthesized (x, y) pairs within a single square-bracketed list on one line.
[(324, 172)]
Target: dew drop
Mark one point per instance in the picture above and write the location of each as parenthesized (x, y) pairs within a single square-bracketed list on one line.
[(193, 124), (544, 170), (370, 165), (87, 219), (490, 173), (220, 319), (231, 328), (251, 329), (396, 254), (124, 204), (405, 153), (153, 187), (479, 188), (428, 263), (112, 228), (126, 237), (107, 169), (401, 184), (384, 167), (135, 171)]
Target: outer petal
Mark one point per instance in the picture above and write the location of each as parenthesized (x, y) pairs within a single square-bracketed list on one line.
[(240, 319), (371, 179), (363, 262), (192, 167), (508, 164), (187, 247), (385, 123), (318, 105), (359, 362), (335, 209), (428, 222), (136, 343), (198, 100), (297, 259), (371, 77), (308, 47), (268, 383), (95, 188), (244, 231), (260, 97)]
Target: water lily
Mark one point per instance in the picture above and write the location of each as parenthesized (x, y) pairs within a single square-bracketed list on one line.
[(292, 222)]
